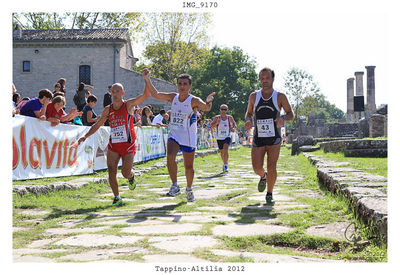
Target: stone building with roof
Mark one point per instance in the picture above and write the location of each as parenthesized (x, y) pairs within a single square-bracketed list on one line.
[(99, 57)]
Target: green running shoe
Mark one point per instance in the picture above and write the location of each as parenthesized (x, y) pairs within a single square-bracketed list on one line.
[(117, 202), (262, 184), (269, 199), (132, 183)]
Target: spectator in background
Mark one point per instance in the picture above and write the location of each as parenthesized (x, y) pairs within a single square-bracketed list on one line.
[(169, 117), (57, 89), (81, 95), (14, 91), (16, 99), (107, 100), (37, 106), (165, 119), (55, 112), (107, 97), (200, 114), (22, 103), (89, 117), (158, 119), (63, 83), (137, 116), (146, 117), (151, 111)]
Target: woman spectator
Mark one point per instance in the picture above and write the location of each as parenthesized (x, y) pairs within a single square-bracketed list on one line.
[(89, 117), (81, 93), (146, 117), (55, 113), (62, 82), (57, 89)]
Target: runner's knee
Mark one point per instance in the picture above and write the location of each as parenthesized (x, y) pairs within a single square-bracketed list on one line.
[(126, 173)]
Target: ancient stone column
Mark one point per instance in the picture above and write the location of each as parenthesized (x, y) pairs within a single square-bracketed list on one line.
[(359, 90), (350, 100), (371, 107)]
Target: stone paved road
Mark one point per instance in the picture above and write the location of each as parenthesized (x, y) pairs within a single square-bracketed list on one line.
[(171, 230)]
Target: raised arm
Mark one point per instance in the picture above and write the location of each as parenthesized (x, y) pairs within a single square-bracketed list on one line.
[(96, 126), (250, 112), (153, 91), (198, 103), (71, 115)]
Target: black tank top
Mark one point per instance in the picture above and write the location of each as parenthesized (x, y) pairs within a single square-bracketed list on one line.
[(266, 111)]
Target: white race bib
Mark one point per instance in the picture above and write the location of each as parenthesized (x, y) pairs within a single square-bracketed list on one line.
[(222, 132), (265, 127), (178, 121), (118, 134)]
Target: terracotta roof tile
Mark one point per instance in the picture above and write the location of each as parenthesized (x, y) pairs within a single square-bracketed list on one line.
[(71, 34)]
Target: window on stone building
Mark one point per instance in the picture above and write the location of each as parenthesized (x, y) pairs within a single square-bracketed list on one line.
[(26, 66), (84, 74)]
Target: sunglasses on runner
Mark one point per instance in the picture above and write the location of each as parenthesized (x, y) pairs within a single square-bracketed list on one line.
[(224, 109)]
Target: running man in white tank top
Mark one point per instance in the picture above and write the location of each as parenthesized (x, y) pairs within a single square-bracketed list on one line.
[(183, 128), (225, 124), (264, 111)]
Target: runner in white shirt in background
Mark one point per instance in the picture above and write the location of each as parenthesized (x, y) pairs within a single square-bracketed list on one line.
[(225, 124), (183, 128)]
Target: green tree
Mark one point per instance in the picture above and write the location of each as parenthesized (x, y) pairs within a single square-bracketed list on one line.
[(231, 74), (174, 42), (298, 85), (78, 20)]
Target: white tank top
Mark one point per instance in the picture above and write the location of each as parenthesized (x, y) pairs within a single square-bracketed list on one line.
[(183, 123), (223, 129)]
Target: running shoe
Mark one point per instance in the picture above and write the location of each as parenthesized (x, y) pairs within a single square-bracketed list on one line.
[(225, 168), (132, 183), (117, 202), (190, 195), (262, 183), (269, 199), (173, 191)]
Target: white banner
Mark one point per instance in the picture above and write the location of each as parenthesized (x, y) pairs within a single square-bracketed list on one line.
[(40, 150)]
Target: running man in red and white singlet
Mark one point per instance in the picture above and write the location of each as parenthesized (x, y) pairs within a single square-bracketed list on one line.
[(122, 136)]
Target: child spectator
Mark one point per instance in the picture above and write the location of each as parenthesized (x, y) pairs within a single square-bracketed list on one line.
[(36, 107), (55, 113), (89, 117), (22, 103), (16, 99)]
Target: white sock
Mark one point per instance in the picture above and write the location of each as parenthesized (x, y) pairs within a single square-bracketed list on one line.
[(175, 184), (188, 188)]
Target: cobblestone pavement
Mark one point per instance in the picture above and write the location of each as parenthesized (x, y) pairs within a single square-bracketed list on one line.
[(168, 229)]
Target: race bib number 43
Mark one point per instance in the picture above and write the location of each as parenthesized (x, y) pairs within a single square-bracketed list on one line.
[(265, 127), (118, 134)]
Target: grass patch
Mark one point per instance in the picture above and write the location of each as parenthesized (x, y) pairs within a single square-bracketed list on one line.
[(377, 166)]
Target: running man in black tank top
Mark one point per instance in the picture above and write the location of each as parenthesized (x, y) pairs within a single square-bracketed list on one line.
[(264, 111)]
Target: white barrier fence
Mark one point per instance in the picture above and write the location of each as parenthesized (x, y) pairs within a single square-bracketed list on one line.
[(40, 150)]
